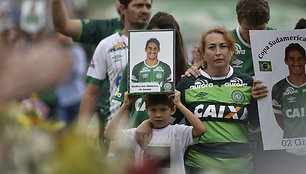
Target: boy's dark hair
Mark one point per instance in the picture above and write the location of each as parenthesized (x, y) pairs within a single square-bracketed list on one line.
[(153, 40), (152, 100), (294, 46), (256, 12), (301, 24), (127, 2)]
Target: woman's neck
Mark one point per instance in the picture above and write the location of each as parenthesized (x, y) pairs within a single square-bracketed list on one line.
[(220, 72)]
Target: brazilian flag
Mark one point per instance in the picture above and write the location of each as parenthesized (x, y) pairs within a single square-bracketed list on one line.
[(265, 66)]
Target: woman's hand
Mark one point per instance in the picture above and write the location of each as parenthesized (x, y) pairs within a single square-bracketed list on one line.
[(259, 91)]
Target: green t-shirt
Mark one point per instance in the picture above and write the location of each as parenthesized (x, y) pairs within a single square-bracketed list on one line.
[(224, 106), (93, 31), (138, 109), (289, 101), (243, 55)]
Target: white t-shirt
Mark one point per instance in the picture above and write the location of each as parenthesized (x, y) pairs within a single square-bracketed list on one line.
[(108, 62), (167, 143)]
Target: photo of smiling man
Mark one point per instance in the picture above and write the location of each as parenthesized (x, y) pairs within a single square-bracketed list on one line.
[(289, 94), (152, 69)]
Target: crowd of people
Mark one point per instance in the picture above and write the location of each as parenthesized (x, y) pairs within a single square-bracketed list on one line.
[(195, 130)]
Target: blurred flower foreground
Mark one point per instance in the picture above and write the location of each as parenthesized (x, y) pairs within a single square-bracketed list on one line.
[(30, 144)]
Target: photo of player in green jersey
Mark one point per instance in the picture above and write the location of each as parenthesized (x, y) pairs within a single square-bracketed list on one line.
[(289, 94), (151, 61), (152, 69)]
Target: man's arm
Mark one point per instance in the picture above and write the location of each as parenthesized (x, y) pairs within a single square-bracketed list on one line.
[(88, 106), (198, 127), (61, 21)]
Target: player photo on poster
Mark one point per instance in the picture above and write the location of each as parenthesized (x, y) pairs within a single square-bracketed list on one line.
[(279, 62), (151, 61)]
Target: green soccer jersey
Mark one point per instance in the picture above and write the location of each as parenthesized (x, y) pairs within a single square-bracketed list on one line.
[(93, 31), (243, 55), (225, 106), (160, 73), (289, 101), (138, 109)]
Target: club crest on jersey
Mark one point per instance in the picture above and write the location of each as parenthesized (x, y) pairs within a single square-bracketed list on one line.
[(238, 49), (236, 82), (199, 83), (159, 75), (118, 46), (238, 96), (290, 90)]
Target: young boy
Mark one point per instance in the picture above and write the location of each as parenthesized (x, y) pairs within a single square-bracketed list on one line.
[(168, 142)]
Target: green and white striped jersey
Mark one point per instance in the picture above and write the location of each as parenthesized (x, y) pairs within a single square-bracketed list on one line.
[(225, 106)]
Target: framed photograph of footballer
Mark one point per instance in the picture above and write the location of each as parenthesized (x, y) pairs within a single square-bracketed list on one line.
[(151, 61), (279, 62)]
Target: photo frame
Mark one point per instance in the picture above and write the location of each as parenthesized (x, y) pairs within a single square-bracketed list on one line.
[(151, 60)]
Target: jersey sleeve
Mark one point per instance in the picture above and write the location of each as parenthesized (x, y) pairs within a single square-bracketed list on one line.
[(168, 77), (135, 73), (119, 96), (95, 30), (129, 137), (276, 103), (97, 69), (185, 133)]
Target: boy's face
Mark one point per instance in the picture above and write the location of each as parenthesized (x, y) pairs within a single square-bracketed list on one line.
[(160, 115), (295, 62)]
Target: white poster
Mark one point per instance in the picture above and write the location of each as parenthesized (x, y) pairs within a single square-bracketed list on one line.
[(151, 58), (279, 61)]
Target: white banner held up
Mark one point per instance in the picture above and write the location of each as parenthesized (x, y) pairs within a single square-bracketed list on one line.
[(283, 125)]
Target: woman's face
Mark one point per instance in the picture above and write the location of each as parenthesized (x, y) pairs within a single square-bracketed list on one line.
[(216, 52)]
